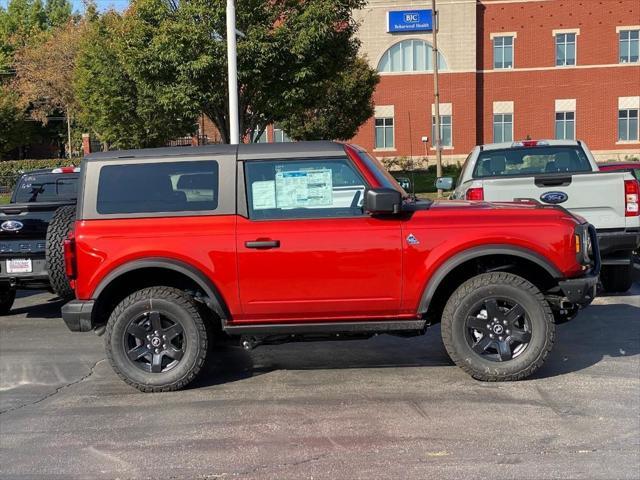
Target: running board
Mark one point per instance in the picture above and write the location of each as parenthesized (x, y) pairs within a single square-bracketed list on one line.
[(381, 326)]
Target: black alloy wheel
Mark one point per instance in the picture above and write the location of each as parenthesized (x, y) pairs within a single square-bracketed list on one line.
[(157, 340), (498, 326), (154, 342), (498, 329)]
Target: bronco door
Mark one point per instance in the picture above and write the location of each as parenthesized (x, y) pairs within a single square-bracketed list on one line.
[(306, 249)]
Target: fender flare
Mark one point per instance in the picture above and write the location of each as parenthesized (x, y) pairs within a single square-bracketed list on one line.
[(477, 252), (216, 302)]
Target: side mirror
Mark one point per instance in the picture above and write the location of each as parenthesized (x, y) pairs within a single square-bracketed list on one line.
[(382, 201), (444, 183)]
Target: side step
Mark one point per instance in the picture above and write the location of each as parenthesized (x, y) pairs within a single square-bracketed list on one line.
[(380, 326)]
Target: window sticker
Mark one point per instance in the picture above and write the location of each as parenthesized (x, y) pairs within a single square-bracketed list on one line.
[(304, 188), (263, 194)]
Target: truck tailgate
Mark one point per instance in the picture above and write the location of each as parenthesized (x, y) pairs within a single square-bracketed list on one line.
[(598, 197)]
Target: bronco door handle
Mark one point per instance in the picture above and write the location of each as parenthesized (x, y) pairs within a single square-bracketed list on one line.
[(263, 244)]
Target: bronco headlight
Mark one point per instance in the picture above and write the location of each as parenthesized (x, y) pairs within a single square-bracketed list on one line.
[(583, 244)]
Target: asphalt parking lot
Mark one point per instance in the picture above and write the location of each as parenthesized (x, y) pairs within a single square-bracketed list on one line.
[(382, 408)]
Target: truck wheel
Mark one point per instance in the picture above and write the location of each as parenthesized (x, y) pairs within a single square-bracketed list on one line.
[(156, 339), (7, 296), (616, 278), (498, 327), (59, 227)]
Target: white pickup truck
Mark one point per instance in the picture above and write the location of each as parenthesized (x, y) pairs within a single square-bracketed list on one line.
[(564, 173)]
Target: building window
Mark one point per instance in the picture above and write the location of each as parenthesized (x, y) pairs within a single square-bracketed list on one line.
[(502, 127), (384, 132), (629, 46), (445, 130), (503, 52), (410, 56), (628, 125), (262, 138), (565, 125), (565, 49), (279, 135)]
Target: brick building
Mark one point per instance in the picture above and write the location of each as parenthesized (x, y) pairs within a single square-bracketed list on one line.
[(509, 69)]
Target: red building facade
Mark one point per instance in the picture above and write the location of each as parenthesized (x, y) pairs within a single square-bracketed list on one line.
[(509, 69)]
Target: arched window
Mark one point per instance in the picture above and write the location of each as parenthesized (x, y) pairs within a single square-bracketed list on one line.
[(410, 56)]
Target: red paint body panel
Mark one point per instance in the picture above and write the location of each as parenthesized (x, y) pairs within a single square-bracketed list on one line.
[(204, 242), (324, 269)]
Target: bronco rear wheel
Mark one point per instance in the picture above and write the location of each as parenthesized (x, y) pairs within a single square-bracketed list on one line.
[(156, 339), (498, 327), (7, 297)]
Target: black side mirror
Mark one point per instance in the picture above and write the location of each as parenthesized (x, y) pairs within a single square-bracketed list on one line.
[(382, 201)]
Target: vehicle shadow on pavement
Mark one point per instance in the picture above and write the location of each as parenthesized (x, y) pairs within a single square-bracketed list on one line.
[(584, 342), (580, 344), (230, 364), (45, 310)]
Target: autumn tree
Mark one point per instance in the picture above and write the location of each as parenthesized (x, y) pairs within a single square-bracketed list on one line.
[(45, 72)]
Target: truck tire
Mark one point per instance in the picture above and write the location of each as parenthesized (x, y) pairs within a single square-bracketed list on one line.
[(59, 227), (7, 296), (156, 339), (616, 278), (498, 327)]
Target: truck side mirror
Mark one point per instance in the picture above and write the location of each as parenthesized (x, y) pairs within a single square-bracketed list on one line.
[(382, 201), (444, 183)]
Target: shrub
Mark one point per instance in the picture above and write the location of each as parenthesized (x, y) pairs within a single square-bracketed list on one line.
[(10, 170)]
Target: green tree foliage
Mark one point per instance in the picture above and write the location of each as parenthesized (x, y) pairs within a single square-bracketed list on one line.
[(119, 110), (13, 129), (297, 63)]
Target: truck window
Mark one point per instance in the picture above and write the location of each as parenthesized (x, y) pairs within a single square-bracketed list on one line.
[(303, 189), (531, 161), (48, 187), (158, 187)]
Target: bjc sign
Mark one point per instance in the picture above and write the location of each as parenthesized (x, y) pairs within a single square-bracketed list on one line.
[(410, 21)]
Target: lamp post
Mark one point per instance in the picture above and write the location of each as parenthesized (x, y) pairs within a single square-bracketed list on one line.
[(232, 68), (436, 95)]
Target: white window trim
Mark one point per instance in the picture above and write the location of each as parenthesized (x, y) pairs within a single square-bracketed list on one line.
[(621, 29), (575, 31), (375, 127), (628, 103), (566, 30), (449, 114), (565, 105), (628, 142), (445, 109), (624, 28), (495, 35), (503, 107), (575, 124), (493, 122)]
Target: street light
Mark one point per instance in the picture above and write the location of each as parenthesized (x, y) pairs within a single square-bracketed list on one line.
[(436, 95), (232, 69)]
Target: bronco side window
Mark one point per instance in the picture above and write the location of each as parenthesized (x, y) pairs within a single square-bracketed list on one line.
[(322, 188), (154, 187)]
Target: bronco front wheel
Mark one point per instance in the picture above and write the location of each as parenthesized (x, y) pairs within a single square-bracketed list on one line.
[(156, 339), (498, 327)]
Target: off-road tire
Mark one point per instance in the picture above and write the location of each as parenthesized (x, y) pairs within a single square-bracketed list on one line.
[(175, 303), (500, 284), (7, 297), (59, 227), (616, 278)]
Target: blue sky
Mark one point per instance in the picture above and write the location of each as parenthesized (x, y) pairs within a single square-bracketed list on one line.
[(78, 6)]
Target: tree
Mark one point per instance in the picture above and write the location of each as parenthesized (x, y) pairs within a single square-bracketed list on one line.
[(12, 125), (296, 64), (116, 110), (44, 74)]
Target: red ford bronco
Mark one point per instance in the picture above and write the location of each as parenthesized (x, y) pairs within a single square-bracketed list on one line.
[(260, 244)]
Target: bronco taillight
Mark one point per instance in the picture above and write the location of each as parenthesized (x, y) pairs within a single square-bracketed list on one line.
[(475, 194), (631, 194), (70, 261)]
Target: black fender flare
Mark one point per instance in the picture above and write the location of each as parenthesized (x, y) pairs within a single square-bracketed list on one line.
[(477, 252), (215, 300)]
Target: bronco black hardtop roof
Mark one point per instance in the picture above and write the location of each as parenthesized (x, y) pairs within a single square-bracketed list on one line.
[(253, 150)]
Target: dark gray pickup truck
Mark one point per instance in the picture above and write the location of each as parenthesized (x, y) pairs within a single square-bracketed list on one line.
[(32, 228)]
